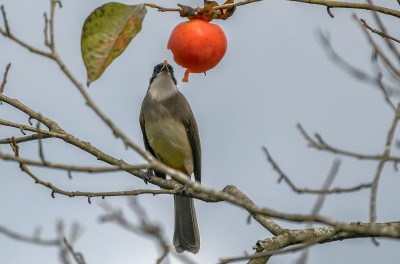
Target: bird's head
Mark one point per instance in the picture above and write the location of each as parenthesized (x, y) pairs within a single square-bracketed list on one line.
[(163, 69)]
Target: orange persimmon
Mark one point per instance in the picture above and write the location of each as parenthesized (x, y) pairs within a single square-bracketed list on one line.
[(197, 45)]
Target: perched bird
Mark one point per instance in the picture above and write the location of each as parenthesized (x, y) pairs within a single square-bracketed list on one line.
[(170, 134)]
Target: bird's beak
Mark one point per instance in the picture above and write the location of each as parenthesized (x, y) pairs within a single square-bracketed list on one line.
[(164, 67)]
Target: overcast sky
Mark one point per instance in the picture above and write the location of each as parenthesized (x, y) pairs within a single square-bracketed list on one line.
[(275, 74)]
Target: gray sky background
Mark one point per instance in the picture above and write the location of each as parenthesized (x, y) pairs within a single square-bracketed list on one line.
[(275, 74)]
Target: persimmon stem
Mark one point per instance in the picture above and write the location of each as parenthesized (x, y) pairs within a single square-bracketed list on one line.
[(184, 13)]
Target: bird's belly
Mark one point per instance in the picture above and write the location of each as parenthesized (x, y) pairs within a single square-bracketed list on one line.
[(168, 138)]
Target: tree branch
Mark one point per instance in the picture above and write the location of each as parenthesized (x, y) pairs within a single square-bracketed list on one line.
[(35, 239), (338, 4), (53, 55), (3, 83), (286, 179), (320, 144), (380, 33), (68, 167), (385, 157)]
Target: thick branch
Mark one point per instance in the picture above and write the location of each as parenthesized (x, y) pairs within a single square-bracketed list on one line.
[(305, 238)]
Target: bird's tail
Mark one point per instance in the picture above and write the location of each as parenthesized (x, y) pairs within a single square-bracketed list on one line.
[(186, 234)]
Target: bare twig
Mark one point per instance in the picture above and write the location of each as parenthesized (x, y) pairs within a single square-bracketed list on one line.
[(286, 179), (386, 61), (318, 205), (162, 9), (357, 73), (78, 256), (7, 33), (24, 139), (327, 184), (68, 167), (338, 4), (3, 83), (385, 157), (53, 55), (380, 33), (22, 128), (321, 144), (146, 227), (46, 30), (64, 248), (227, 6), (385, 34), (53, 4), (41, 151), (29, 239), (6, 25)]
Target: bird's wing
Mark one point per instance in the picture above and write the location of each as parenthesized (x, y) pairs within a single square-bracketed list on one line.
[(193, 135), (147, 145)]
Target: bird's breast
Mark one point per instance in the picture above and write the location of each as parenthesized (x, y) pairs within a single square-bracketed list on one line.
[(169, 140)]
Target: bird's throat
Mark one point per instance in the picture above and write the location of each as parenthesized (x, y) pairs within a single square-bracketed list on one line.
[(162, 87)]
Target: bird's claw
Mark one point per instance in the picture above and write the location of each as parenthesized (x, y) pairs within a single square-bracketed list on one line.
[(183, 190), (147, 175)]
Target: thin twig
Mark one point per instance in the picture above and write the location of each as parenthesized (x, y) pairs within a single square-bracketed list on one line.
[(162, 9), (53, 55), (286, 179), (318, 205), (53, 4), (321, 144), (338, 4), (3, 83), (327, 184), (146, 226), (24, 139), (68, 167), (7, 33), (6, 25), (384, 34), (46, 30), (380, 33), (55, 190), (40, 143), (378, 51), (227, 6), (78, 256), (385, 157), (29, 239), (355, 72), (23, 127)]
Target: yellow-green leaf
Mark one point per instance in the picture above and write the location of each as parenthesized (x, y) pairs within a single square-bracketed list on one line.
[(106, 33)]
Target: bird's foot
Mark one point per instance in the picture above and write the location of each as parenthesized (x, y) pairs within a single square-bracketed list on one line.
[(183, 190), (147, 175)]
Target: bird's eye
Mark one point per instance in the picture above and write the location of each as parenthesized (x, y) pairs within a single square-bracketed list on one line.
[(170, 69), (157, 69)]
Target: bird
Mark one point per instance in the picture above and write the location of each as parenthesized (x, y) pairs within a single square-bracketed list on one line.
[(171, 135)]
